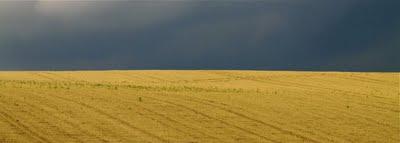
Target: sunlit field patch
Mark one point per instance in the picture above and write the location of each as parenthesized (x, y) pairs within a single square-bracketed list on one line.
[(199, 106)]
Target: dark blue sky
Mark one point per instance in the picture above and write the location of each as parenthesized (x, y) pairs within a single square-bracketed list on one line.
[(344, 35)]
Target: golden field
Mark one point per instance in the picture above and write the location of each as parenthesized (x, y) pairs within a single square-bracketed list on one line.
[(199, 106)]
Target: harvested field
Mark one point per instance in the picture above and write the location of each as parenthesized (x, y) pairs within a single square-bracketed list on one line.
[(199, 106)]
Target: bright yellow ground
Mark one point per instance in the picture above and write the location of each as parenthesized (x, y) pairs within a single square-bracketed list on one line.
[(199, 106)]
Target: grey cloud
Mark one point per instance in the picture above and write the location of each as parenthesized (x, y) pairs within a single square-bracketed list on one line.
[(286, 35)]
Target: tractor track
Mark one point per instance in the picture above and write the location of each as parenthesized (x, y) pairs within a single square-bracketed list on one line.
[(210, 117), (14, 122), (75, 126)]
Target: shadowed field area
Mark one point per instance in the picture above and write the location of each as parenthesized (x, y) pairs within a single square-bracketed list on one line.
[(199, 106)]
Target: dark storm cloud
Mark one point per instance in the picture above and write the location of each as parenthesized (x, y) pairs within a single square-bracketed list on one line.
[(286, 34)]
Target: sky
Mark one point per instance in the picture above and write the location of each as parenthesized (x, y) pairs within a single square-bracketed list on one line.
[(327, 35)]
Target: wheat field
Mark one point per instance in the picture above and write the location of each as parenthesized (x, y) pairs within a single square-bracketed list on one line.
[(199, 106)]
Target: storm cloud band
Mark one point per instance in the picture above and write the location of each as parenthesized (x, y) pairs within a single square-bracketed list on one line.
[(353, 35)]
